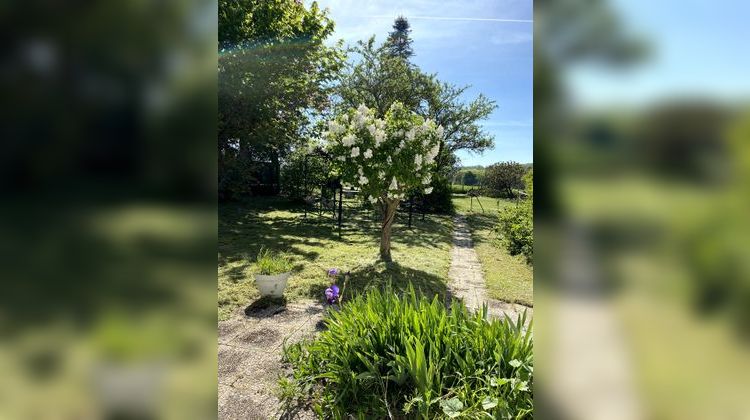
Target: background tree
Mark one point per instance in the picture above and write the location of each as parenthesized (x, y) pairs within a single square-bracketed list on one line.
[(567, 33), (447, 108), (275, 73), (386, 158), (503, 177), (380, 78), (470, 178), (399, 42)]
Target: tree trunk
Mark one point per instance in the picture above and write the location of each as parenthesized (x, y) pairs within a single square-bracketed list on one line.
[(389, 214), (276, 177)]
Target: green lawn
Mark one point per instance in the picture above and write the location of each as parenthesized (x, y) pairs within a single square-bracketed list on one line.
[(421, 254), (508, 277)]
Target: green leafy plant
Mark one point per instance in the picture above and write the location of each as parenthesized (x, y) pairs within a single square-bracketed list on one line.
[(516, 228), (516, 224), (383, 355), (269, 263)]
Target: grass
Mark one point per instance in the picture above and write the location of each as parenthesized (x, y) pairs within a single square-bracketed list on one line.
[(421, 254), (268, 263), (459, 188), (508, 277)]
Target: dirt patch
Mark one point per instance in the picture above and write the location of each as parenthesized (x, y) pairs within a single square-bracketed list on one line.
[(230, 360), (261, 337), (227, 329)]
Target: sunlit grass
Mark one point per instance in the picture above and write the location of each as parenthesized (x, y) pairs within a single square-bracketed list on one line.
[(421, 254), (508, 277)]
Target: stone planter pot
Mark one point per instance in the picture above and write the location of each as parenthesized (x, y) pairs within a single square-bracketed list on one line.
[(272, 285)]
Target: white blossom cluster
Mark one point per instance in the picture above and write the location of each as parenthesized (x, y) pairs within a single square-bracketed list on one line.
[(387, 157)]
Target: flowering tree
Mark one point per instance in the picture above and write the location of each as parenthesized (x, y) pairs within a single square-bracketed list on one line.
[(385, 158)]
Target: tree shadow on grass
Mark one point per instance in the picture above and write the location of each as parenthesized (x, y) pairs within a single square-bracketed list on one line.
[(245, 228), (479, 222), (243, 232), (434, 230), (237, 273), (400, 277)]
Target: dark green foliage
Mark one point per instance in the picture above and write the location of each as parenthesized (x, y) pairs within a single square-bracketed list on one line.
[(383, 355), (463, 189), (235, 180), (441, 199), (470, 178), (457, 175), (447, 106), (275, 73), (378, 79), (399, 42), (516, 223), (501, 178), (295, 178)]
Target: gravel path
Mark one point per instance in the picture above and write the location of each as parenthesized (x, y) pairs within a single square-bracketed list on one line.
[(466, 280), (250, 345)]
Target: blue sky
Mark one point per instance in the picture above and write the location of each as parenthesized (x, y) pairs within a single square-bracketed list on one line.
[(483, 43), (700, 48)]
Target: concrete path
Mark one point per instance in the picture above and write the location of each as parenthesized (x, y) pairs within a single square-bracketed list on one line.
[(590, 374), (466, 280)]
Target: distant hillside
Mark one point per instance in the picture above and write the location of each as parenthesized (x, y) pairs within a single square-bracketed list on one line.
[(481, 169), (472, 168), (478, 171)]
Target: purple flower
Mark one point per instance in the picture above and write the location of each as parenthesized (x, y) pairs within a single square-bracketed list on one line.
[(332, 294), (333, 272)]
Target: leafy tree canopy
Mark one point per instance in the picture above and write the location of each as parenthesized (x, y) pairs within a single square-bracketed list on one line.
[(470, 178), (503, 177), (380, 78), (275, 74)]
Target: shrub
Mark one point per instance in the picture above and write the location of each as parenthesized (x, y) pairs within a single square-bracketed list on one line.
[(382, 355), (516, 229), (441, 199), (516, 224), (269, 263)]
